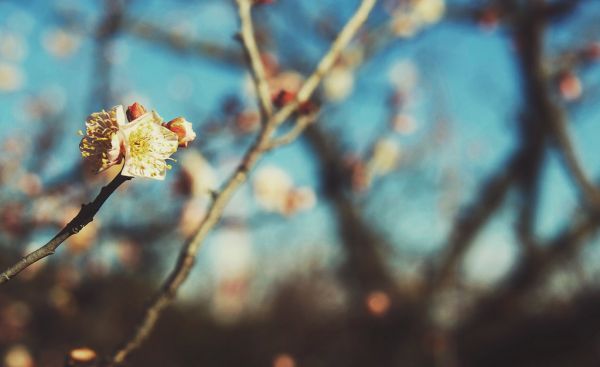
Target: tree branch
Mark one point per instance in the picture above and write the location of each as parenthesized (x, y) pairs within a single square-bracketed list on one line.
[(301, 124), (85, 216), (256, 65), (187, 256)]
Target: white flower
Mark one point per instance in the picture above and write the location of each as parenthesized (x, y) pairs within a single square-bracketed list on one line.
[(385, 157), (12, 78), (143, 145), (430, 11), (338, 84), (271, 188), (103, 142), (275, 192), (147, 146)]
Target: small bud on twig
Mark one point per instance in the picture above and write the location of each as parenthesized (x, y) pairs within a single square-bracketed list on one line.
[(183, 129), (134, 111), (283, 97)]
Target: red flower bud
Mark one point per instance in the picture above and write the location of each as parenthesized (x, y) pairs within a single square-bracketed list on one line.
[(183, 129), (282, 98), (134, 111)]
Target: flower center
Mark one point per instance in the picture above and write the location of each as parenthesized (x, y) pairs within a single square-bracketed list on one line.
[(139, 143)]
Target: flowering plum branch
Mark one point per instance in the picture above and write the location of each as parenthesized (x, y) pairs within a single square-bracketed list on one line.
[(262, 144), (138, 140)]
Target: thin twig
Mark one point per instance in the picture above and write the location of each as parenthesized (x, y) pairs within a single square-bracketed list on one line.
[(187, 256), (468, 225), (85, 216), (327, 62), (565, 147), (301, 123), (256, 65), (180, 42)]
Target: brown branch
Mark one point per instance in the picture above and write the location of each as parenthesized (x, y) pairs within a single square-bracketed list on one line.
[(181, 43), (565, 147), (468, 224), (301, 124), (85, 216), (256, 65), (537, 265), (364, 268), (187, 256)]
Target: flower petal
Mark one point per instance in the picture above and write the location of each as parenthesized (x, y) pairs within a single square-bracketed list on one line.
[(148, 145), (101, 144)]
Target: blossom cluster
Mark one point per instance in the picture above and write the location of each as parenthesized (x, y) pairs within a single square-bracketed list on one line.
[(412, 16), (138, 139)]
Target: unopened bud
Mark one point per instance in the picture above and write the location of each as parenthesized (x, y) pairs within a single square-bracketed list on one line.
[(282, 98), (134, 111), (183, 129)]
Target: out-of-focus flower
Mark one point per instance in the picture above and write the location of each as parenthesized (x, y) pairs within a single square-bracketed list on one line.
[(378, 303), (412, 16), (184, 130), (404, 76), (286, 80), (570, 86), (271, 187), (62, 300), (143, 145), (14, 319), (128, 254), (353, 56), (300, 199), (11, 218), (13, 46), (384, 158), (60, 42), (404, 124), (12, 78), (30, 184), (198, 178), (233, 260), (429, 11), (81, 355), (338, 83), (247, 121), (404, 25), (275, 192), (18, 356), (284, 360)]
